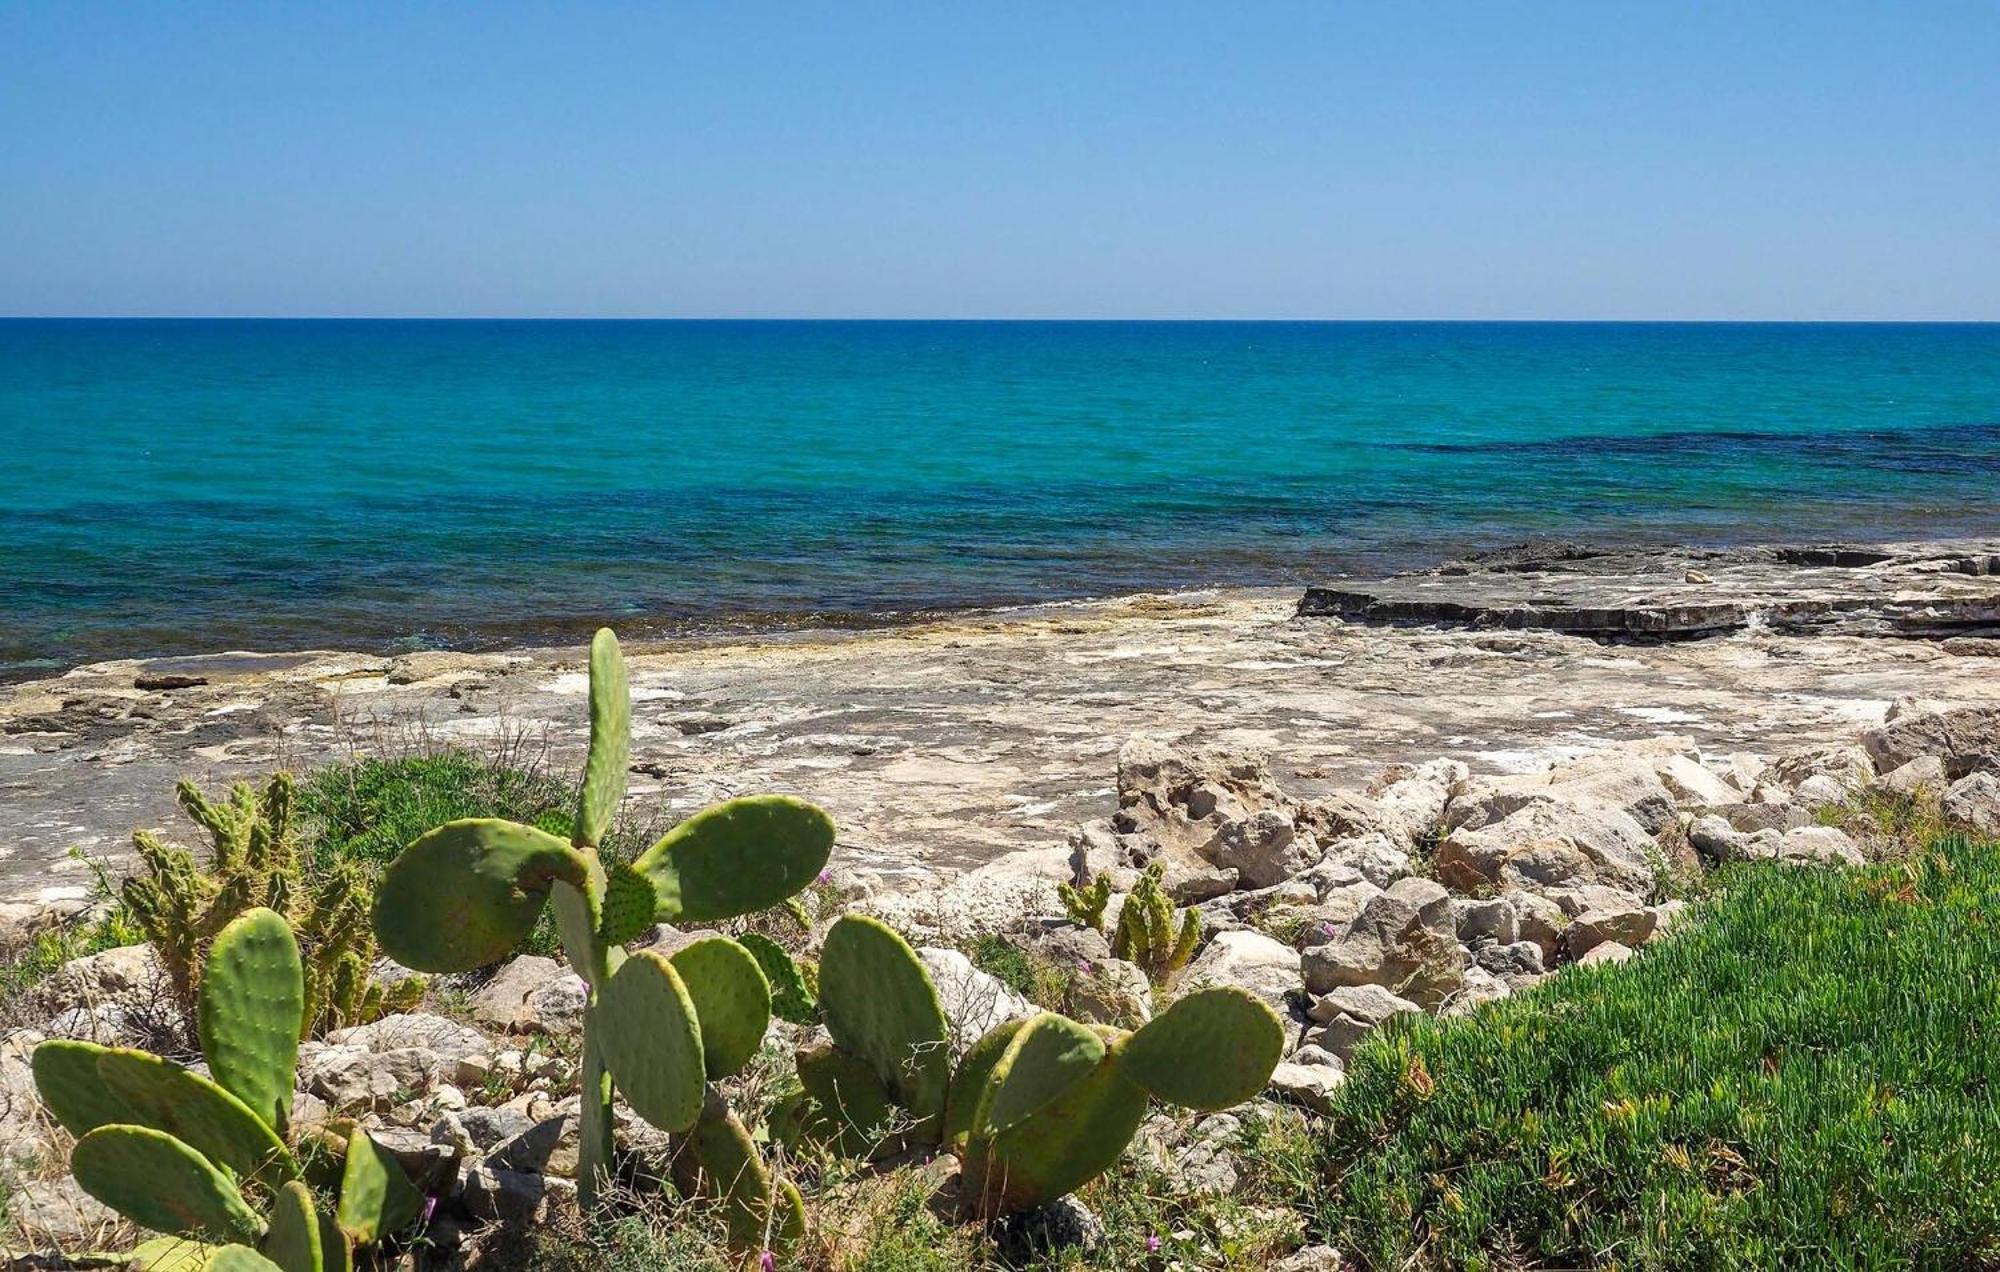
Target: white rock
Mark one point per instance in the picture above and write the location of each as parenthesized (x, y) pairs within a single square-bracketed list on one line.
[(973, 1001), (1309, 1086), (1974, 800), (1248, 960)]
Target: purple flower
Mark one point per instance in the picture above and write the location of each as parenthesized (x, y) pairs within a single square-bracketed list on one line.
[(767, 1261), (430, 1208), (825, 877), (1152, 1245), (1083, 965)]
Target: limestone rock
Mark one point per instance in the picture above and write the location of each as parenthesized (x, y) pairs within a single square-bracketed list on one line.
[(514, 1197), (1416, 795), (1819, 845), (1484, 921), (354, 1079), (1541, 920), (1546, 842), (1318, 1258), (1608, 952), (57, 1214), (1249, 960), (1310, 1086), (1922, 774), (1625, 925), (1847, 764), (973, 1001), (1264, 849), (532, 994), (1406, 938), (1375, 857), (1690, 783), (1964, 738), (1974, 801)]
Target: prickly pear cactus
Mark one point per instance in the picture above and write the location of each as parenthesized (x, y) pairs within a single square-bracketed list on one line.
[(1036, 1107), (175, 1151), (1085, 904), (656, 1026)]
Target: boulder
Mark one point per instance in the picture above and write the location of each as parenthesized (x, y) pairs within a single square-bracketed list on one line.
[(1974, 801), (1846, 763), (1327, 920), (1485, 920), (1608, 952), (1264, 849), (1111, 992), (447, 1038), (1309, 1086), (1371, 1004), (354, 1079), (1416, 795), (973, 1001), (513, 1197), (1518, 964), (1692, 784), (1375, 857), (1820, 846), (1822, 790), (1406, 938), (128, 976), (532, 994), (1249, 960), (1541, 921), (1911, 780), (1548, 842), (1343, 815), (1964, 739), (1630, 925)]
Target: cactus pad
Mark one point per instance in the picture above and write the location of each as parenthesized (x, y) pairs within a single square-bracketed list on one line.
[(968, 1085), (376, 1197), (737, 857), (1048, 1056), (467, 893), (850, 1110), (880, 1005), (1070, 1141), (1213, 1049), (250, 1009), (645, 1024), (237, 1258), (791, 998), (66, 1077), (162, 1095), (610, 740), (732, 1170), (732, 1000), (293, 1240), (158, 1182), (171, 1254), (628, 904), (577, 911)]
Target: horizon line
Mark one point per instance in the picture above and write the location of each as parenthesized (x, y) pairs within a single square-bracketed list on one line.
[(995, 319)]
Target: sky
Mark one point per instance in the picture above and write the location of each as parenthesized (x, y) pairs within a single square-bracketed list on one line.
[(1595, 159)]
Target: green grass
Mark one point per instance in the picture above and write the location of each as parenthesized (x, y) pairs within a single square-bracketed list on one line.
[(1806, 1078), (369, 810)]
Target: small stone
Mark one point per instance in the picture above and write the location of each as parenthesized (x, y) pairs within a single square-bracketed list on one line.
[(509, 1196), (1035, 1236), (1251, 961), (973, 1001), (532, 994), (1627, 925), (57, 1214), (1925, 773), (1319, 1258), (1607, 952), (1310, 1086)]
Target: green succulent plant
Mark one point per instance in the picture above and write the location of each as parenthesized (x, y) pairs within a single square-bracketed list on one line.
[(190, 1156), (1085, 903), (180, 904), (1035, 1108), (658, 1026), (1147, 933)]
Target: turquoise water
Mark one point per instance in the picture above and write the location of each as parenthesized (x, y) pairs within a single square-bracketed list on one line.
[(191, 486)]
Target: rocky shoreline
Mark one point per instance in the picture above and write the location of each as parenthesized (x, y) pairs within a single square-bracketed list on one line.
[(1371, 819), (946, 745)]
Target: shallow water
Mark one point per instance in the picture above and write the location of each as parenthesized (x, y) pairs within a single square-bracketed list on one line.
[(176, 487)]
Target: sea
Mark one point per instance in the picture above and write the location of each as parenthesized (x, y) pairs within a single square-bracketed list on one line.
[(184, 486)]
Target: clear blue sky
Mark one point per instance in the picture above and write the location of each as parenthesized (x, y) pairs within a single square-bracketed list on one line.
[(1820, 159)]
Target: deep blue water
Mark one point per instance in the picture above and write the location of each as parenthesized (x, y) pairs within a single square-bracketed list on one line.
[(179, 486)]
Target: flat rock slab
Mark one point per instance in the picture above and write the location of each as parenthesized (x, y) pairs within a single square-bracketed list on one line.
[(953, 743), (1928, 590)]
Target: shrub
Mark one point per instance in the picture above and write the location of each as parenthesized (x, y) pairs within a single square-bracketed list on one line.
[(1805, 1078)]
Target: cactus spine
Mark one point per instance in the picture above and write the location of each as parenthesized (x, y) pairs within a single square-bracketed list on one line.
[(187, 1155), (657, 1026), (1147, 934), (255, 861), (1036, 1107)]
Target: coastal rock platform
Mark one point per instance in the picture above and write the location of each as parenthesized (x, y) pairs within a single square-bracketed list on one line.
[(950, 744), (1924, 589)]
